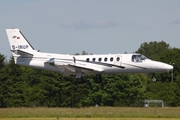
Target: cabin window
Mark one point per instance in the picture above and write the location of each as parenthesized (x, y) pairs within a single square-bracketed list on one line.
[(111, 59), (105, 59), (94, 59), (117, 59), (87, 60), (99, 59)]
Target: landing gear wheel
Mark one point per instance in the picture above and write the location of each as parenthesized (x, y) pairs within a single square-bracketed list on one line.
[(79, 80), (153, 78), (98, 79)]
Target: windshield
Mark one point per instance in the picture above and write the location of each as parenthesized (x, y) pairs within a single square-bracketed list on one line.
[(138, 58)]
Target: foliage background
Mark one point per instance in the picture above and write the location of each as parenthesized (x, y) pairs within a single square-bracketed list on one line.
[(28, 87)]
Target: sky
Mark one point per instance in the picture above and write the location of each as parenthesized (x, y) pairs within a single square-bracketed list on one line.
[(95, 26)]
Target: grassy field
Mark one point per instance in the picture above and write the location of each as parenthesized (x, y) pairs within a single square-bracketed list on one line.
[(89, 119), (92, 113)]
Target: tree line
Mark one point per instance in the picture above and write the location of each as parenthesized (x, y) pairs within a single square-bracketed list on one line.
[(28, 87)]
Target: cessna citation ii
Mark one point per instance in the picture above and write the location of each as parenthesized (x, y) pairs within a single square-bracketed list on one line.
[(77, 65)]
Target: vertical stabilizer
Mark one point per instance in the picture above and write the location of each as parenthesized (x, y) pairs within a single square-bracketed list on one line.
[(20, 47), (18, 41)]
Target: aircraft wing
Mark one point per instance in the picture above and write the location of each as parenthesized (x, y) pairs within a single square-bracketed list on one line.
[(84, 67), (70, 68)]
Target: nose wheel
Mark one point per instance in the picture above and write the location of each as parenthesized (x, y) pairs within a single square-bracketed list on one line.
[(153, 78)]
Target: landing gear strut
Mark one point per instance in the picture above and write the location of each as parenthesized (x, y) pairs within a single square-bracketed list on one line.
[(79, 75), (98, 78), (80, 80)]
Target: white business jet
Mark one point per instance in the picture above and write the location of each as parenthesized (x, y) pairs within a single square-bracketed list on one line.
[(24, 54)]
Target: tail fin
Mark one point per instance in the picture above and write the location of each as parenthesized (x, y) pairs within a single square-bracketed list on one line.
[(19, 44), (17, 40)]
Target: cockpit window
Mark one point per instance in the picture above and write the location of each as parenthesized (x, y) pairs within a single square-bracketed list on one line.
[(138, 58)]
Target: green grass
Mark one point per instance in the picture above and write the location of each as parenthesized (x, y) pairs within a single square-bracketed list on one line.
[(89, 119), (90, 112)]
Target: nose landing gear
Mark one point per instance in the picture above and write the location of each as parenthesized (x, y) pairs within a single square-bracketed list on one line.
[(153, 78)]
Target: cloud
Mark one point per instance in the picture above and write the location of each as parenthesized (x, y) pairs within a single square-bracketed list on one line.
[(86, 25), (176, 21)]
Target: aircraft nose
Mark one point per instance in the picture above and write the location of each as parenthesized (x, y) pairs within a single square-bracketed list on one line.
[(160, 66), (168, 67)]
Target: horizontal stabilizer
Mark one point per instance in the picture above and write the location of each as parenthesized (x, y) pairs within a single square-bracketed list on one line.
[(22, 53)]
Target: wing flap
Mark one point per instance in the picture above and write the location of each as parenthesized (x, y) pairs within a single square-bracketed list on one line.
[(88, 68), (72, 68), (84, 69)]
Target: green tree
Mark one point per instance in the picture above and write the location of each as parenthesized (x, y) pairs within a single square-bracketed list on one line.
[(12, 86), (171, 56), (2, 58), (84, 53), (1, 93), (153, 49), (116, 90), (168, 92), (164, 89)]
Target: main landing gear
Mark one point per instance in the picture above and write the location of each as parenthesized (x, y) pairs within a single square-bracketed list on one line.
[(98, 79), (80, 80)]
